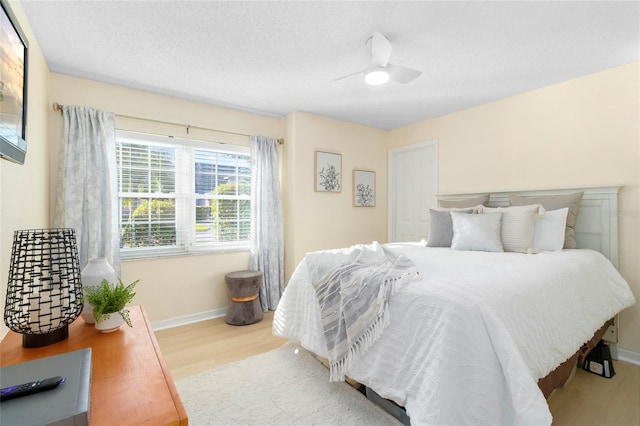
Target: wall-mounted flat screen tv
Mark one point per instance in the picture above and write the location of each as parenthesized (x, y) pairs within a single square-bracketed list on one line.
[(13, 88)]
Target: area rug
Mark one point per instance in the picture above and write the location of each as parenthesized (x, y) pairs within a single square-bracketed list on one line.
[(286, 386)]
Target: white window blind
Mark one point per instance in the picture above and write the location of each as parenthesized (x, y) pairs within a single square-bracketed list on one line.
[(180, 195)]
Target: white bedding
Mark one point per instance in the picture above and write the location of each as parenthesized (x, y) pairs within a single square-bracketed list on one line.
[(468, 342)]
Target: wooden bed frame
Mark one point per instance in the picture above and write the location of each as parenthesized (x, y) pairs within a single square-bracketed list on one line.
[(564, 372), (596, 229)]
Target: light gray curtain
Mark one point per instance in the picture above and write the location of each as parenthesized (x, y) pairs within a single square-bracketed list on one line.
[(267, 254), (87, 193)]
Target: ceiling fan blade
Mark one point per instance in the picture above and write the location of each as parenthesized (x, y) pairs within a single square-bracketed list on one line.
[(349, 75), (380, 50), (402, 74)]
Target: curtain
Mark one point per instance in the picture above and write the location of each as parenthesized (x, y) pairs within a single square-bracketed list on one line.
[(267, 254), (87, 193)]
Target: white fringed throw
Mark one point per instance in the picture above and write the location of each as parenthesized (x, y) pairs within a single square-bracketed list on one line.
[(353, 299)]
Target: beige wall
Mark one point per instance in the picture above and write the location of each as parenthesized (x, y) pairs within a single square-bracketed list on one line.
[(582, 132), (323, 220), (169, 287), (24, 189)]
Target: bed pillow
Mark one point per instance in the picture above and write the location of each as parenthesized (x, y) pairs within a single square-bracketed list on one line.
[(518, 225), (478, 232), (441, 227), (473, 209), (549, 231), (469, 202), (556, 202)]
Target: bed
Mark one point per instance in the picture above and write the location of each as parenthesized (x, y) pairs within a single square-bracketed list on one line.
[(478, 337)]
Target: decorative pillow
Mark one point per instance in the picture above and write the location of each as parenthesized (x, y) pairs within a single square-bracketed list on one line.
[(469, 202), (473, 209), (479, 232), (549, 231), (518, 224), (441, 227), (556, 202)]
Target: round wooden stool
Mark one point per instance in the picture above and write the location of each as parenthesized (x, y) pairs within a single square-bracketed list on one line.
[(245, 307)]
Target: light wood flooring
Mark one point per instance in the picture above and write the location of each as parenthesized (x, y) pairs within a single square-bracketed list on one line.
[(195, 348), (587, 400)]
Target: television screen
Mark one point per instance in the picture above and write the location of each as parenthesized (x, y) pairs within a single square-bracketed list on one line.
[(13, 88)]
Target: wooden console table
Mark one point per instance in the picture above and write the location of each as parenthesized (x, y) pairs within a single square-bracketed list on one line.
[(130, 382)]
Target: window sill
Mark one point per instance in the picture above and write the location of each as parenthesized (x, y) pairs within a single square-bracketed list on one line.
[(144, 254)]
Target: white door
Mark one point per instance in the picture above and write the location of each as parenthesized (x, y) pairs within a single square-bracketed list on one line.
[(413, 185)]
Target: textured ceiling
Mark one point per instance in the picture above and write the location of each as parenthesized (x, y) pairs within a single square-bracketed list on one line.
[(278, 57)]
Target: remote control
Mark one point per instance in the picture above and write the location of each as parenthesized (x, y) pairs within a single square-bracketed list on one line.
[(30, 387)]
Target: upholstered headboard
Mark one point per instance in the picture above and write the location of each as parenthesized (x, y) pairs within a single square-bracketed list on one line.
[(597, 222)]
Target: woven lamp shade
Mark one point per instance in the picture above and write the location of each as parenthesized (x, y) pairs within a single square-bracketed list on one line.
[(44, 292)]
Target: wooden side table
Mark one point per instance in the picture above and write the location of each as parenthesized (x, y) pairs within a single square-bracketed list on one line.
[(130, 382), (244, 308)]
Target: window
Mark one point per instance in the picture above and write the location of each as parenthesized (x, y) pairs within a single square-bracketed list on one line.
[(178, 195)]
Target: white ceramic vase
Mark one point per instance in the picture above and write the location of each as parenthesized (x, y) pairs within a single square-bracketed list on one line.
[(97, 269), (110, 324)]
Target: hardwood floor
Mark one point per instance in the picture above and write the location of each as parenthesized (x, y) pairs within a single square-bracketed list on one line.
[(587, 400), (195, 348)]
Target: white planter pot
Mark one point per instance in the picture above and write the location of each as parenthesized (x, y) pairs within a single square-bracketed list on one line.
[(97, 269), (112, 323)]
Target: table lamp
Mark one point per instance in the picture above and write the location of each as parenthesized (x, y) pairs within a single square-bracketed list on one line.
[(44, 292)]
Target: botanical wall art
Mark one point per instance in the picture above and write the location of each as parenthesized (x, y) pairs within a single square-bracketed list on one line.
[(328, 172), (364, 188)]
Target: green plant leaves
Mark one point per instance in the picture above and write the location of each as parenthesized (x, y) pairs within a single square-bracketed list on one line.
[(107, 298)]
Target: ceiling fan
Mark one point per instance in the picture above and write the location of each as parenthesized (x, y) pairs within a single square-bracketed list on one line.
[(379, 71)]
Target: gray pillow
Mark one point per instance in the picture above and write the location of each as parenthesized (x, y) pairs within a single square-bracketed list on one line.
[(469, 202), (478, 232), (441, 227), (556, 202)]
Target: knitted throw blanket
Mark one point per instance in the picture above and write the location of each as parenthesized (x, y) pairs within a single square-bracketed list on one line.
[(353, 298)]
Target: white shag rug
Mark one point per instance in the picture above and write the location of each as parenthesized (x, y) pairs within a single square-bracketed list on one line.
[(286, 386)]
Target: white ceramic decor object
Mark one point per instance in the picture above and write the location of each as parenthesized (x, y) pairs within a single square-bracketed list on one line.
[(97, 269)]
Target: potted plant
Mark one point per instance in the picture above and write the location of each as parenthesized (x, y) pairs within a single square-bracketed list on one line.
[(109, 299)]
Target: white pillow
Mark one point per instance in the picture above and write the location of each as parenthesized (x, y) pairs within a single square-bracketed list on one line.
[(478, 232), (441, 227), (549, 230), (518, 223)]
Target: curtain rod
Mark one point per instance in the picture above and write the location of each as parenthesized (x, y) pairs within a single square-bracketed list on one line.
[(58, 107)]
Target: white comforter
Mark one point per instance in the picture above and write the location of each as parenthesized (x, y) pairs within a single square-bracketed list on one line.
[(468, 342)]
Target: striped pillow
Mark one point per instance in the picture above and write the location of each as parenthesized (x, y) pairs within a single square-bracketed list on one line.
[(555, 202), (518, 225)]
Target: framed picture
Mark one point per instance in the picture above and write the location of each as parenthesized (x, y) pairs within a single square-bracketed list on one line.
[(328, 172), (13, 88), (364, 188)]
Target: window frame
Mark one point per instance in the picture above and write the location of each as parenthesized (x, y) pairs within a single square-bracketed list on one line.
[(184, 196)]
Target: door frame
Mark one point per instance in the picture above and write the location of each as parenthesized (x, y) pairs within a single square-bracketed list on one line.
[(393, 153)]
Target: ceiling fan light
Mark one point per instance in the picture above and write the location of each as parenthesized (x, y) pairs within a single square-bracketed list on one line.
[(376, 77)]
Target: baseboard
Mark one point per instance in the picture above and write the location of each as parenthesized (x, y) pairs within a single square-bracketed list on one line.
[(628, 356), (188, 319)]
